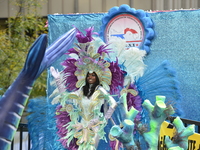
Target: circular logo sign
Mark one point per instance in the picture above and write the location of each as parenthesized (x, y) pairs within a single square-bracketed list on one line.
[(127, 27)]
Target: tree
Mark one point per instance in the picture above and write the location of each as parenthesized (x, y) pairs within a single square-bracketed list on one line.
[(16, 39)]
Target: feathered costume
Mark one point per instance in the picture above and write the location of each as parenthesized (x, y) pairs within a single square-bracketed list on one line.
[(120, 71)]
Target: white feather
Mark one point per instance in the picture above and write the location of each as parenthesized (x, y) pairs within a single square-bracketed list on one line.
[(118, 46), (56, 100), (131, 58)]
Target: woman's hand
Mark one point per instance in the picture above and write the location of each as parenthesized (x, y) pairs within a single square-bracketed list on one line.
[(55, 73), (78, 126)]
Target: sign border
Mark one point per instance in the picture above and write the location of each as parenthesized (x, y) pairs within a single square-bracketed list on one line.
[(141, 15)]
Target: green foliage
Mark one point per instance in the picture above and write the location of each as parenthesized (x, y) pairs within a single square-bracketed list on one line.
[(16, 40)]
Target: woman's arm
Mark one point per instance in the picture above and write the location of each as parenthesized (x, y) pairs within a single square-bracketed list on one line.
[(56, 74), (112, 102)]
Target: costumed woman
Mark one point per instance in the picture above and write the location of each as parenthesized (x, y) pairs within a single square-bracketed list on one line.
[(83, 96)]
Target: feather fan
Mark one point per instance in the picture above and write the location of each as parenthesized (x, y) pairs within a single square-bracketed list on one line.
[(160, 81), (131, 58), (42, 125)]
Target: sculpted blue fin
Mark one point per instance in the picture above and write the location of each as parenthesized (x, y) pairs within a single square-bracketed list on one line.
[(15, 98)]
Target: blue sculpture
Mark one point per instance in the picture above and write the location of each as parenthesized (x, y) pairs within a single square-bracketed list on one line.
[(14, 100)]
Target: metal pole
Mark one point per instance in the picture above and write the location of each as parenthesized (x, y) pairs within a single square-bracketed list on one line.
[(104, 5), (29, 142), (21, 137), (131, 3), (12, 144), (76, 6)]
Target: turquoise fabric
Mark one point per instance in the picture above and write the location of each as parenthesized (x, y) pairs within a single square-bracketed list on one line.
[(177, 38)]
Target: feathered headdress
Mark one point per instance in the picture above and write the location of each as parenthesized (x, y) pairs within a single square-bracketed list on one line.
[(88, 56), (91, 54)]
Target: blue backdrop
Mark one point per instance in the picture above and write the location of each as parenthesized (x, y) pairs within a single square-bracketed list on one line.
[(177, 40)]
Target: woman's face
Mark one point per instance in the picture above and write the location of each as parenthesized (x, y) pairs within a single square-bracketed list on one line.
[(91, 78)]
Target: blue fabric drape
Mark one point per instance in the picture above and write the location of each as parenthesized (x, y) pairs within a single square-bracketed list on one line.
[(177, 38)]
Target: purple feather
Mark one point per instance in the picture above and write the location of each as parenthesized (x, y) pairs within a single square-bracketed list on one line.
[(102, 49), (62, 119), (134, 101), (85, 38), (113, 144), (69, 78), (117, 78), (72, 51)]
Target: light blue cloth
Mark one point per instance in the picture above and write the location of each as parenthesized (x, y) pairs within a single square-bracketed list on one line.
[(177, 38)]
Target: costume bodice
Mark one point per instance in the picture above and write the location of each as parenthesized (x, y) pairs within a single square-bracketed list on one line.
[(90, 107), (87, 120)]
